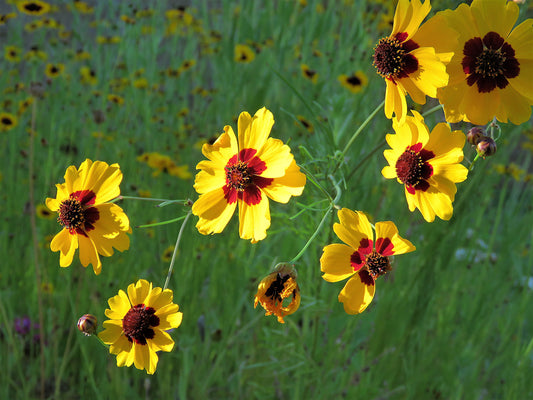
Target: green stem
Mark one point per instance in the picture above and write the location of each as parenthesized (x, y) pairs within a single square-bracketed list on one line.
[(432, 110), (161, 223), (365, 158), (170, 268), (358, 131), (314, 181), (101, 341), (473, 161), (167, 201), (297, 257)]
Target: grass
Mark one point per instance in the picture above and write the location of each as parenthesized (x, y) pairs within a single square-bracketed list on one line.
[(451, 322)]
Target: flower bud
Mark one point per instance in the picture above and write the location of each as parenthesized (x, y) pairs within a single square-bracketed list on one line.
[(87, 324), (275, 288), (486, 146), (474, 135)]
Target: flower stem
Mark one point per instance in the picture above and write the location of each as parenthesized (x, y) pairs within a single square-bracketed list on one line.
[(100, 340), (432, 110), (315, 182), (297, 257), (176, 249), (161, 223), (473, 161), (358, 131), (165, 201)]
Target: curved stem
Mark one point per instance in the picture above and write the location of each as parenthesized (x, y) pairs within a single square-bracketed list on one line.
[(167, 201), (170, 268), (432, 110), (314, 181), (297, 257), (358, 131)]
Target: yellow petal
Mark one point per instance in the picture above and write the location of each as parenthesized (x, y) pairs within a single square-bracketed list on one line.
[(277, 158), (88, 254), (111, 332), (356, 296), (254, 220), (162, 340), (353, 227), (214, 212), (388, 230), (496, 16), (255, 132), (335, 262), (119, 306), (139, 291), (291, 184)]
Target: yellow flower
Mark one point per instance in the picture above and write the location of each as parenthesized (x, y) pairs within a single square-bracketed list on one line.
[(34, 7), (12, 53), (43, 212), (114, 98), (245, 173), (244, 53), (427, 164), (305, 123), (275, 288), (167, 254), (24, 104), (355, 82), (491, 73), (361, 259), (7, 121), (6, 17), (89, 222), (407, 59), (88, 76), (54, 70), (138, 325), (308, 73), (83, 7)]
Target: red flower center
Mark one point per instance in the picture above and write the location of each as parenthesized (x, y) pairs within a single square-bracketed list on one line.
[(243, 180), (412, 168), (377, 264), (392, 59), (76, 214), (238, 175), (138, 323), (489, 62), (276, 288)]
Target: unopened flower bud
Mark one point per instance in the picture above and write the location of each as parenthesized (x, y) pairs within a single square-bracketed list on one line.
[(87, 324), (486, 146), (474, 135), (275, 288)]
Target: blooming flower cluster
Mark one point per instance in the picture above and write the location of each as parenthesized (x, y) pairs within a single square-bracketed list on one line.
[(472, 60)]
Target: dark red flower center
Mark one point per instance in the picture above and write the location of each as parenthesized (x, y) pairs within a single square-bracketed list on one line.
[(238, 175), (6, 121), (392, 58), (489, 62), (276, 288), (377, 264), (412, 168), (76, 213), (243, 180), (33, 7), (138, 322), (354, 80)]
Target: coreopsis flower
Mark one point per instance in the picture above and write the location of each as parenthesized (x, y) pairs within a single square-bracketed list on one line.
[(138, 325), (491, 73), (89, 222), (7, 121), (34, 7), (428, 165), (408, 60), (275, 288), (355, 82), (245, 173), (309, 73), (54, 70), (243, 53), (363, 258)]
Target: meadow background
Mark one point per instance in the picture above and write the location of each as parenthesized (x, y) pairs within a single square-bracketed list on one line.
[(115, 81)]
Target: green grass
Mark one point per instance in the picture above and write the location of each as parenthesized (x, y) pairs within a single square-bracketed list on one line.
[(452, 321)]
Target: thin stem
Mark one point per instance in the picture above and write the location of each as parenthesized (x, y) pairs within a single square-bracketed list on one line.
[(365, 158), (432, 110), (161, 223), (176, 249), (296, 258), (35, 242), (100, 340), (314, 181), (358, 131), (473, 161), (146, 199)]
